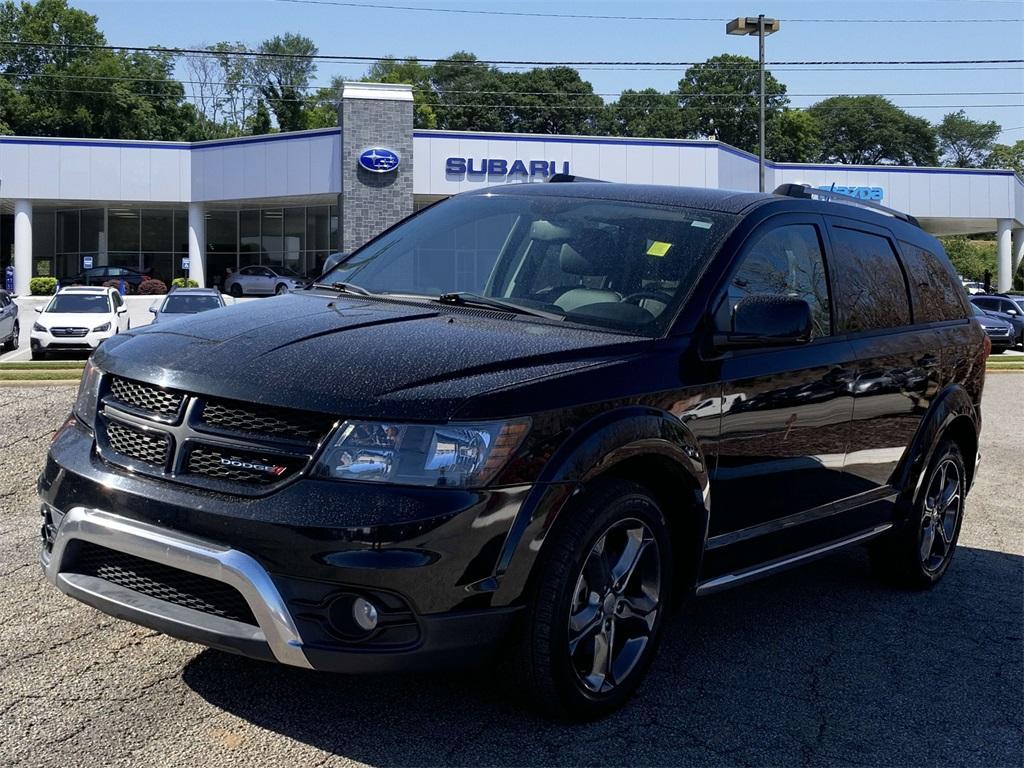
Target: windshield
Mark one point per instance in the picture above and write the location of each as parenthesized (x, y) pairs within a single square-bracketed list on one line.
[(605, 263), (285, 271), (79, 303), (177, 304)]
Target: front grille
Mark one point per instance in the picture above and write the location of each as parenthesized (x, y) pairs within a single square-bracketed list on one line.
[(69, 332), (148, 447), (163, 582), (250, 419), (145, 397), (239, 466)]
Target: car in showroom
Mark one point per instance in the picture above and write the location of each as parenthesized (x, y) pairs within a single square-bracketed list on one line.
[(10, 328), (78, 319), (101, 275), (1005, 307), (997, 327), (527, 424), (181, 302), (264, 280)]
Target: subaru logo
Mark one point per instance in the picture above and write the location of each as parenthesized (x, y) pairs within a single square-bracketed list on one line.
[(379, 160)]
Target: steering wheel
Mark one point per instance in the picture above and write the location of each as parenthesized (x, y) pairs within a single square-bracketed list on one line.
[(636, 298)]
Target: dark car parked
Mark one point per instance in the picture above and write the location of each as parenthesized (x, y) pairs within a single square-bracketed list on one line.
[(1008, 308), (497, 423), (10, 328), (997, 327), (181, 302), (101, 275)]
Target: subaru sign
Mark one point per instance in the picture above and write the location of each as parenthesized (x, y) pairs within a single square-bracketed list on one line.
[(877, 194), (472, 168), (379, 160)]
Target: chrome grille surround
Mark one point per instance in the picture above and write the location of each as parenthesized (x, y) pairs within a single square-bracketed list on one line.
[(181, 447)]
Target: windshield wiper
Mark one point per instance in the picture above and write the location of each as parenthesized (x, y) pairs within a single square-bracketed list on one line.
[(341, 287), (464, 298)]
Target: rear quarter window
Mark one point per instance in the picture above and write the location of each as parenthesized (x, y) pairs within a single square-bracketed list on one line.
[(936, 293), (871, 292)]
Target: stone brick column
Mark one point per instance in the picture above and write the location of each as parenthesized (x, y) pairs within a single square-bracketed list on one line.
[(374, 115)]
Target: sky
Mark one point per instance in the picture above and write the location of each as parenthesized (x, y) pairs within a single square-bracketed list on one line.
[(984, 93)]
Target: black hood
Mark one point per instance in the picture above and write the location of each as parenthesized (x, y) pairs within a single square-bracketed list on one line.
[(354, 357)]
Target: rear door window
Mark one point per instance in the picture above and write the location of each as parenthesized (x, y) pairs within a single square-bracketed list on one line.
[(934, 290), (871, 292)]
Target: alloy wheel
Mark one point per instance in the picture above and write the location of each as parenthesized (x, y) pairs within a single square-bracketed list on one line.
[(943, 505), (615, 605)]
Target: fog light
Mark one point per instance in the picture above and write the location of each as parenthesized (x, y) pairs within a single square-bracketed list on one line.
[(364, 613)]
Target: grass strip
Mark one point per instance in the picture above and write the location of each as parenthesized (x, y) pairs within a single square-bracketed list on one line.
[(67, 375), (44, 364)]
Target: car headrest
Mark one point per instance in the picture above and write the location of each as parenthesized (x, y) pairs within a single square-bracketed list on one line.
[(546, 231), (592, 253)]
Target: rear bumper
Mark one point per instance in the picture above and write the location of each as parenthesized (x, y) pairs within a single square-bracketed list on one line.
[(445, 639)]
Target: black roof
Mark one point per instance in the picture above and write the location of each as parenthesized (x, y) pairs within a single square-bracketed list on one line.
[(724, 200)]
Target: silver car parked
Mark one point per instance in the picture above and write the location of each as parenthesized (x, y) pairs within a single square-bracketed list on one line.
[(263, 280)]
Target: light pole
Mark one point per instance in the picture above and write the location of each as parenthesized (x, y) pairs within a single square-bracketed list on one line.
[(762, 27)]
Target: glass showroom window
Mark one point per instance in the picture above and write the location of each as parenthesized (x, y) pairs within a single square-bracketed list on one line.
[(221, 246)]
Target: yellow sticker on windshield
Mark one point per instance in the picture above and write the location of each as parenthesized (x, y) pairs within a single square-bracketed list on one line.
[(658, 248)]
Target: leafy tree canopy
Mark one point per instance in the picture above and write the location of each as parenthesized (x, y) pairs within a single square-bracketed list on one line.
[(648, 113), (872, 130), (1007, 156), (963, 142), (721, 96)]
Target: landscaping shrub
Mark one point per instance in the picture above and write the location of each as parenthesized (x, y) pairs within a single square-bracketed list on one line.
[(184, 282), (152, 287), (42, 286)]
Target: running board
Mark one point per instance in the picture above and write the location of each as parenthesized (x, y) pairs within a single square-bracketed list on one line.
[(735, 579)]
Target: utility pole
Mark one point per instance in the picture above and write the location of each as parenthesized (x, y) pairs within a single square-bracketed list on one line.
[(762, 27)]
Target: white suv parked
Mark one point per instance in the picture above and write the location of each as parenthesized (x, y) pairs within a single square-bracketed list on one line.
[(78, 318)]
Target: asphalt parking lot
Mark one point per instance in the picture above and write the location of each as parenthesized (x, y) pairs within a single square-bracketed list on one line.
[(817, 666)]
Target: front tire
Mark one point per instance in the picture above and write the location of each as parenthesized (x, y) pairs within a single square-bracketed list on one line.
[(38, 354), (598, 606), (281, 289), (918, 554), (12, 343)]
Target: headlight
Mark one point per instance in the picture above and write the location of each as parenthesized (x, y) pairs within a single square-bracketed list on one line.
[(38, 327), (449, 455), (88, 394), (100, 328)]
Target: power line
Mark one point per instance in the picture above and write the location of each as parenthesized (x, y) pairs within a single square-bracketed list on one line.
[(542, 63), (606, 17), (570, 94)]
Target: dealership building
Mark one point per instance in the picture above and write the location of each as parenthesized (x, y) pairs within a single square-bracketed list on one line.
[(198, 210)]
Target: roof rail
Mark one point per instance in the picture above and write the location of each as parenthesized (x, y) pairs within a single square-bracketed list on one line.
[(807, 192), (566, 178)]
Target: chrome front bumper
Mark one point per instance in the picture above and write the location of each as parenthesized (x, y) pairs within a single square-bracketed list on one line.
[(186, 553)]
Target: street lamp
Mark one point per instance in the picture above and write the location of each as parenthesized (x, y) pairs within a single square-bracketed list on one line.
[(762, 27)]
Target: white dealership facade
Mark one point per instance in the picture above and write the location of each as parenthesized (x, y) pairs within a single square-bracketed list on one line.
[(200, 209)]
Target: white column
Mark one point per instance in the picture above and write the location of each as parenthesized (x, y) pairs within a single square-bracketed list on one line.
[(1005, 279), (22, 246), (1017, 249), (197, 243)]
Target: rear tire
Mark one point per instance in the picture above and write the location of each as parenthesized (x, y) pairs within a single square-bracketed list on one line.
[(917, 555), (597, 610), (235, 290), (12, 343)]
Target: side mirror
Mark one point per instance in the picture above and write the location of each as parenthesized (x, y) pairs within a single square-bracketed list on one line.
[(39, 310), (333, 260), (153, 310), (764, 320), (1012, 312), (122, 310)]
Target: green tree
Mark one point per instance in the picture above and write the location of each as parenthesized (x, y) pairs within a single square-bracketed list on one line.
[(872, 130), (648, 113), (259, 122), (794, 136), (470, 96), (410, 71), (553, 100), (971, 258), (721, 97), (284, 72), (1007, 156), (965, 143), (84, 92)]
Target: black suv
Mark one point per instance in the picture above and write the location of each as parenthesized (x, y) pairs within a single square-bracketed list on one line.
[(540, 415)]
